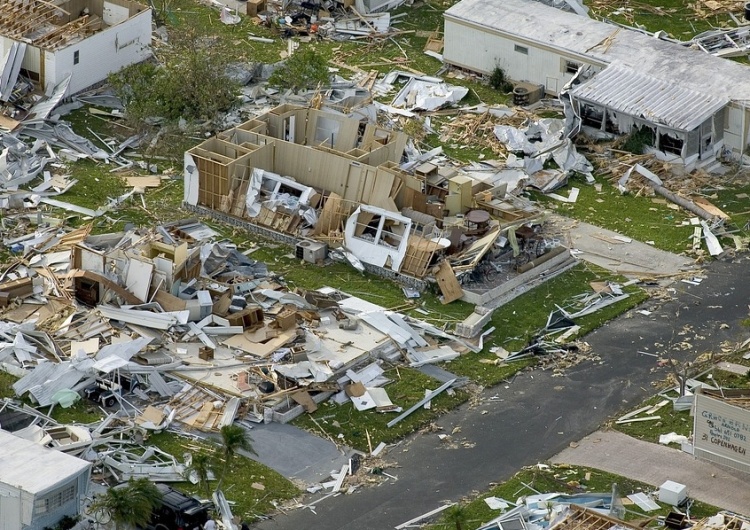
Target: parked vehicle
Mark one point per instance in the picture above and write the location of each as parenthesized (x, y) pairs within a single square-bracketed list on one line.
[(178, 511)]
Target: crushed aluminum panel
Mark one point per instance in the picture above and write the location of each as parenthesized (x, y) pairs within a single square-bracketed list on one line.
[(712, 242), (418, 94), (380, 398), (109, 364), (363, 402), (366, 374), (644, 502), (66, 377), (382, 323), (224, 510), (416, 337), (124, 350), (146, 319), (658, 101), (38, 376), (419, 358), (10, 70), (230, 412), (366, 25), (43, 109)]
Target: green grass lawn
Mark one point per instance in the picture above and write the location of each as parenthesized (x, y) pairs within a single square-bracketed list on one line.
[(241, 485), (559, 479), (636, 216), (670, 421), (348, 426), (520, 319)]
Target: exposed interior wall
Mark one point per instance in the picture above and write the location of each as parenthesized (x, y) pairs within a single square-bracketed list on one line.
[(91, 60), (224, 162), (109, 10)]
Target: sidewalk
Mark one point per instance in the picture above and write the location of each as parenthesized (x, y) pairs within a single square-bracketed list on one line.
[(600, 246), (653, 464)]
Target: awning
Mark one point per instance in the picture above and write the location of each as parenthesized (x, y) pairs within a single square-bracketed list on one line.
[(660, 102)]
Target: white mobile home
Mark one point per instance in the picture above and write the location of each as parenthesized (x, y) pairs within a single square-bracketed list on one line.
[(38, 486), (694, 104), (84, 39)]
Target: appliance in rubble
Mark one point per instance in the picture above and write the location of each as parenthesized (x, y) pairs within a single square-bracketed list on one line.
[(311, 251), (527, 93)]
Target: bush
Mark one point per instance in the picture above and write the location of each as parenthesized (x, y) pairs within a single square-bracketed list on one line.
[(306, 69), (188, 83), (66, 523), (499, 81), (638, 139)]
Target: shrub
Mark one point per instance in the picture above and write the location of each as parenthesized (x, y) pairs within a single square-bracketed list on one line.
[(306, 69), (499, 81), (189, 82)]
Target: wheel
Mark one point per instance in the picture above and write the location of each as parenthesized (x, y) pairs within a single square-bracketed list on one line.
[(110, 401)]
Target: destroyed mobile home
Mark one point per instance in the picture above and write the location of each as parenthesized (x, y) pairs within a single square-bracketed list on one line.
[(321, 181), (168, 326)]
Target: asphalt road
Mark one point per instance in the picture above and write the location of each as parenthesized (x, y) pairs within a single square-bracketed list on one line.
[(536, 415)]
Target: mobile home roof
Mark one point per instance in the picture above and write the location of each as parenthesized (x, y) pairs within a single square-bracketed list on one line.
[(28, 466), (607, 43)]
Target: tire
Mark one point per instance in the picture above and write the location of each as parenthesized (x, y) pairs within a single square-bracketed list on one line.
[(110, 401)]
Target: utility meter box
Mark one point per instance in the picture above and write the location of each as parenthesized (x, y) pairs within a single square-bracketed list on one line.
[(672, 493)]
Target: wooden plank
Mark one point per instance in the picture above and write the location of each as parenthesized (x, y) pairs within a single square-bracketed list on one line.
[(143, 182), (448, 283)]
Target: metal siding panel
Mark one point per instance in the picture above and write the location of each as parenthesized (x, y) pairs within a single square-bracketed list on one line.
[(10, 510), (622, 89)]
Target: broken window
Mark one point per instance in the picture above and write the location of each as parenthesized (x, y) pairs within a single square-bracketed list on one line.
[(592, 116), (610, 123), (521, 49), (76, 57), (570, 67), (55, 499), (372, 227), (670, 144)]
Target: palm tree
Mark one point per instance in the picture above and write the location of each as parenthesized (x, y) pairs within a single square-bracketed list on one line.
[(202, 465), (129, 505), (456, 514), (234, 438)]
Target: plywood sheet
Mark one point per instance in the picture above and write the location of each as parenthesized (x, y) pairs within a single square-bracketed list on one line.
[(448, 283)]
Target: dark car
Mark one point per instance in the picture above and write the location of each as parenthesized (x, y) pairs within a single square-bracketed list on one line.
[(178, 511)]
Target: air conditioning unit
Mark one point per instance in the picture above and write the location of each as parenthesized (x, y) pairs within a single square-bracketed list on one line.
[(311, 251)]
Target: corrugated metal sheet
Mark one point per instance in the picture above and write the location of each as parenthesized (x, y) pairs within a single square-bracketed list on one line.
[(622, 89), (551, 28)]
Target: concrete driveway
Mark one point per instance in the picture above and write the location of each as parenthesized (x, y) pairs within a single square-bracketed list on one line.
[(654, 464)]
